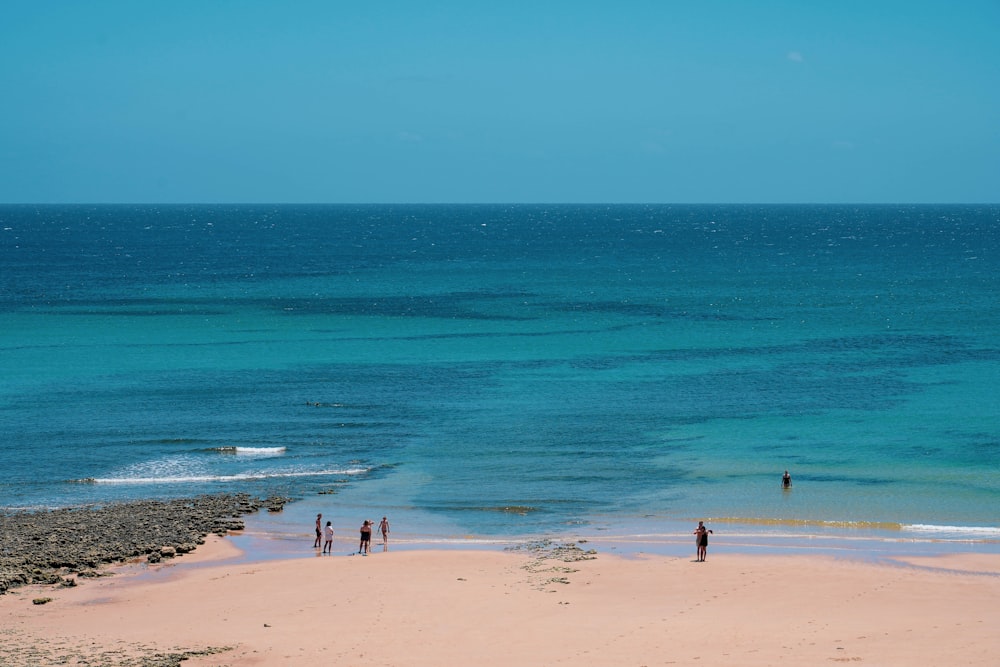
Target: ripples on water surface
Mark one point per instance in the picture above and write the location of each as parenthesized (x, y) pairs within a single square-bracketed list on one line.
[(503, 370)]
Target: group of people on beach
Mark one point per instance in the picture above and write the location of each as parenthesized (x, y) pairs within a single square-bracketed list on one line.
[(324, 535)]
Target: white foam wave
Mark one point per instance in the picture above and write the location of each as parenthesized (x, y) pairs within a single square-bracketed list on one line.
[(240, 477), (252, 451), (974, 530)]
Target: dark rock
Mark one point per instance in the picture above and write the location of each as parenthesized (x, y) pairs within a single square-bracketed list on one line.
[(36, 547), (276, 503)]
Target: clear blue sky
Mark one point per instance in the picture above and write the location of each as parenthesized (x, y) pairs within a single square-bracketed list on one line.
[(506, 101)]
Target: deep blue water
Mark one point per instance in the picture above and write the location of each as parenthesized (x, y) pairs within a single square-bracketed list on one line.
[(506, 369)]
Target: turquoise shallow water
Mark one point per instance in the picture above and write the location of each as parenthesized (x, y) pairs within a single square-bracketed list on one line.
[(497, 370)]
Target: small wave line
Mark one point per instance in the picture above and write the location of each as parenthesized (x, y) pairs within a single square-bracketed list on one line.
[(187, 479)]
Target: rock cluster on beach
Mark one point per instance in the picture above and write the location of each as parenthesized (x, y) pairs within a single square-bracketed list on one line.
[(546, 550), (45, 547)]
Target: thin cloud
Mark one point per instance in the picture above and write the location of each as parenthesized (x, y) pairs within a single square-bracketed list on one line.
[(795, 57)]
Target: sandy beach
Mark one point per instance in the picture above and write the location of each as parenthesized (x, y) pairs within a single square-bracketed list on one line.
[(557, 604)]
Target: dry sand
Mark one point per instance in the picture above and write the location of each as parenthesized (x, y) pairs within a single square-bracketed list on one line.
[(434, 608)]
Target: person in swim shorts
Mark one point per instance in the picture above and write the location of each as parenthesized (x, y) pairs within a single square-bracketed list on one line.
[(366, 538), (701, 540)]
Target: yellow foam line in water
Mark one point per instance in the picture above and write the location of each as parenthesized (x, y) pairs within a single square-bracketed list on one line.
[(864, 525)]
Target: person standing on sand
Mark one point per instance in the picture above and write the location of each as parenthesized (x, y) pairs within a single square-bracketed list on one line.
[(786, 481), (319, 531), (384, 527), (701, 540), (366, 538), (328, 534)]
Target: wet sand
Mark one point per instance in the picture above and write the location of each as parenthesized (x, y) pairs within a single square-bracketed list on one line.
[(547, 604)]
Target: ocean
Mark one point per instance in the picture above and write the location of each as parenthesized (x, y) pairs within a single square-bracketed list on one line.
[(497, 371)]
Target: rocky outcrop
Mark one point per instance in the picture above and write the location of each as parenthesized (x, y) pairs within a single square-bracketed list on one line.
[(42, 547)]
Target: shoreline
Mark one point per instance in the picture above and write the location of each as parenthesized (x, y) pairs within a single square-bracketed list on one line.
[(253, 597), (50, 546), (546, 603), (283, 535)]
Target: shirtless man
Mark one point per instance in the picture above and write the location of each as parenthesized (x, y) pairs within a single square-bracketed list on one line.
[(366, 538), (319, 531), (701, 540)]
